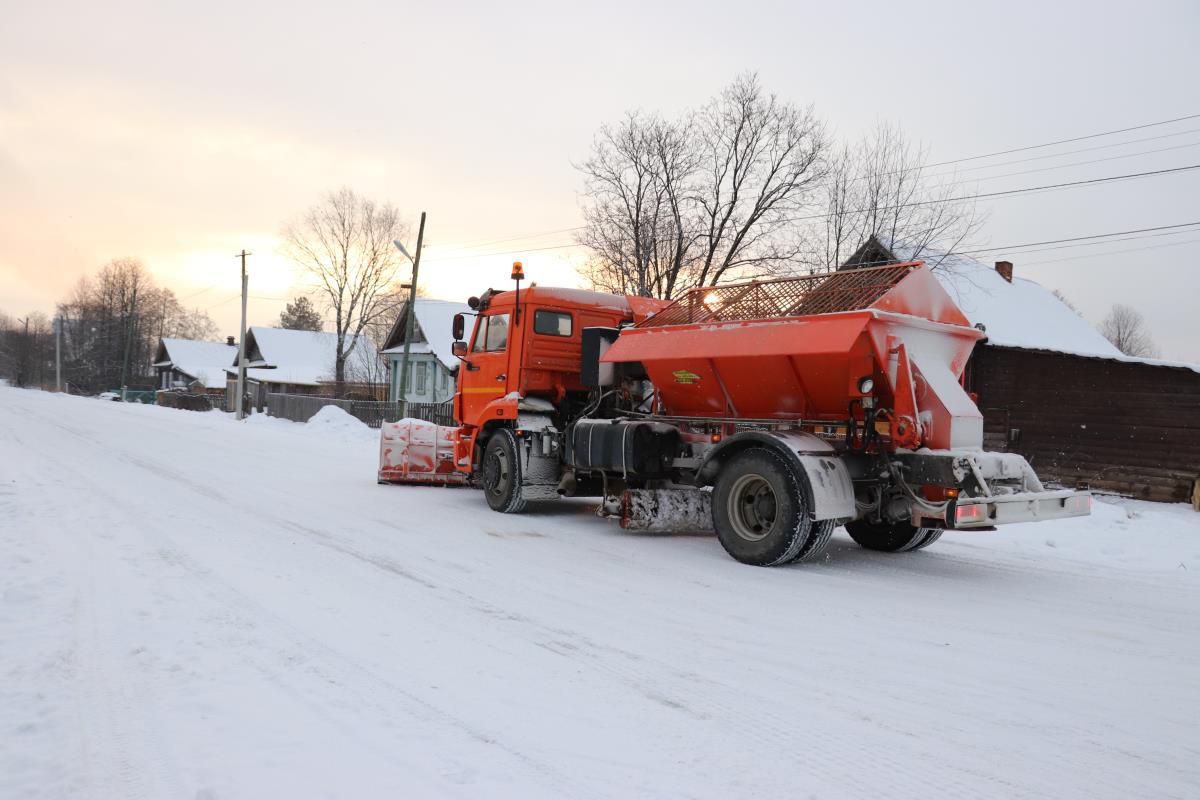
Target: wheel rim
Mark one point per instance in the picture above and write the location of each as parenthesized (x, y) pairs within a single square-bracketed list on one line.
[(495, 474), (753, 507)]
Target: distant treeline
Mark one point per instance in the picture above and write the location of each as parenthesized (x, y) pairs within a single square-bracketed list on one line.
[(111, 324)]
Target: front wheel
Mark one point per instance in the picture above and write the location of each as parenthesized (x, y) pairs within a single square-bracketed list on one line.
[(760, 514), (501, 473), (897, 537)]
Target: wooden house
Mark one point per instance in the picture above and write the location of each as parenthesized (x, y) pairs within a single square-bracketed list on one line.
[(195, 366), (432, 368)]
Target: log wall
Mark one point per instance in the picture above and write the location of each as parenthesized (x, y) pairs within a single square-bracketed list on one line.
[(1131, 428)]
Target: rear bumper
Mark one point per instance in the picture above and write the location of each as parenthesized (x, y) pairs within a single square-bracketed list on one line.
[(972, 513)]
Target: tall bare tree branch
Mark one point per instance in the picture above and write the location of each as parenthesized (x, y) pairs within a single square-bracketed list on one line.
[(345, 243)]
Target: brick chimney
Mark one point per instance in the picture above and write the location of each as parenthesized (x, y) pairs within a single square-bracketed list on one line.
[(229, 341), (1005, 270)]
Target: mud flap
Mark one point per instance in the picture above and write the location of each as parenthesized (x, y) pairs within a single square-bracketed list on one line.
[(829, 482)]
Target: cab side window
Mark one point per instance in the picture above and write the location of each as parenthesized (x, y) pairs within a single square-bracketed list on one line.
[(552, 323), (480, 337)]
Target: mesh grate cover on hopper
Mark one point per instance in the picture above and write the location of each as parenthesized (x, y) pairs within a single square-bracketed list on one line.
[(827, 293)]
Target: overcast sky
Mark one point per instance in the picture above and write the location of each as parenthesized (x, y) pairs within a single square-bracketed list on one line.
[(181, 133)]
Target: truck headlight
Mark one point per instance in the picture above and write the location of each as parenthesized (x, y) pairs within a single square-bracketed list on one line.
[(865, 385)]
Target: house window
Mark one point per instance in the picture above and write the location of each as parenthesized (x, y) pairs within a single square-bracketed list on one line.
[(552, 323), (420, 385)]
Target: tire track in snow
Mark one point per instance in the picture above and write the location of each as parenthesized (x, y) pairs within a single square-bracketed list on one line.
[(597, 659), (336, 664)]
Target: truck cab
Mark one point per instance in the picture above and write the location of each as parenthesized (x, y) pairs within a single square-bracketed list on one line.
[(521, 359)]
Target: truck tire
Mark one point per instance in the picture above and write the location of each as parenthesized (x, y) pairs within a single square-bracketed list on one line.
[(822, 533), (760, 514), (899, 537), (501, 473)]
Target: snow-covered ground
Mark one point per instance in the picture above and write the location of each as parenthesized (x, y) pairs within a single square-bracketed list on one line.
[(193, 608)]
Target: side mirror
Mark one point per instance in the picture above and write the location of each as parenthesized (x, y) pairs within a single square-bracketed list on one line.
[(458, 327), (458, 349)]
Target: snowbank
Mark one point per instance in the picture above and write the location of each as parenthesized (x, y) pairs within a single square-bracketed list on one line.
[(331, 422), (337, 422)]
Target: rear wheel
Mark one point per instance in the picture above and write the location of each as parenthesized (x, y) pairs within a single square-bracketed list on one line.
[(760, 513), (501, 473), (897, 537)]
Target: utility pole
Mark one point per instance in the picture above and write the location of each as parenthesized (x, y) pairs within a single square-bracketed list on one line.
[(23, 354), (128, 344), (408, 321), (58, 353), (241, 378)]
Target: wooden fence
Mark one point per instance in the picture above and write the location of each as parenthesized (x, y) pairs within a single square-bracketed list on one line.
[(190, 401), (302, 407)]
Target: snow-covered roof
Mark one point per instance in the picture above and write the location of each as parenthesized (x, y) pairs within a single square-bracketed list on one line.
[(434, 319), (415, 347), (201, 361), (1019, 314), (298, 357)]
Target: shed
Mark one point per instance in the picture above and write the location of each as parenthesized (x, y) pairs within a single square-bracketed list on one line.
[(295, 362), (1056, 391), (192, 364)]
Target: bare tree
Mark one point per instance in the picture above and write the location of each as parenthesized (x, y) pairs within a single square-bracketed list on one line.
[(674, 204), (112, 321), (366, 369), (637, 181), (300, 315), (762, 158), (882, 187), (345, 243), (1126, 328), (27, 350)]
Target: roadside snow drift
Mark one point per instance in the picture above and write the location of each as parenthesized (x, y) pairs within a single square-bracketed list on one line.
[(193, 608)]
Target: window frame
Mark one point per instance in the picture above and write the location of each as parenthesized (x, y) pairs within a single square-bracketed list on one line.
[(419, 385), (487, 344), (559, 315)]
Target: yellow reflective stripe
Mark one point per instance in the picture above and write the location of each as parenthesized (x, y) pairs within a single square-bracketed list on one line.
[(482, 390)]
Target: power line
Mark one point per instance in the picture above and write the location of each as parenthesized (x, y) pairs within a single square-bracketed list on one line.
[(1064, 141), (1075, 163), (1097, 243), (1008, 192), (1069, 152), (483, 242), (936, 201), (1111, 252), (1083, 238)]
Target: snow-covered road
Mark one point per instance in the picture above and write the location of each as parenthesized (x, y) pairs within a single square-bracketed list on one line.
[(194, 608)]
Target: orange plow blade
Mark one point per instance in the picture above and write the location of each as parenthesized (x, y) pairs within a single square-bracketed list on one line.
[(416, 451)]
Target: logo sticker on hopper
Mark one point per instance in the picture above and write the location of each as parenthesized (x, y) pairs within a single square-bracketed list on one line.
[(686, 377)]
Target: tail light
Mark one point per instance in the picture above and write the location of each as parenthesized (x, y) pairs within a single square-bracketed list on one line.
[(966, 515), (1078, 504)]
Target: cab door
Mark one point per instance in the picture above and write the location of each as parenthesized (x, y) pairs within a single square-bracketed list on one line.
[(485, 373)]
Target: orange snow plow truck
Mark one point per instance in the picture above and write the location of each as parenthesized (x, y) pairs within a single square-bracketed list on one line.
[(771, 412)]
